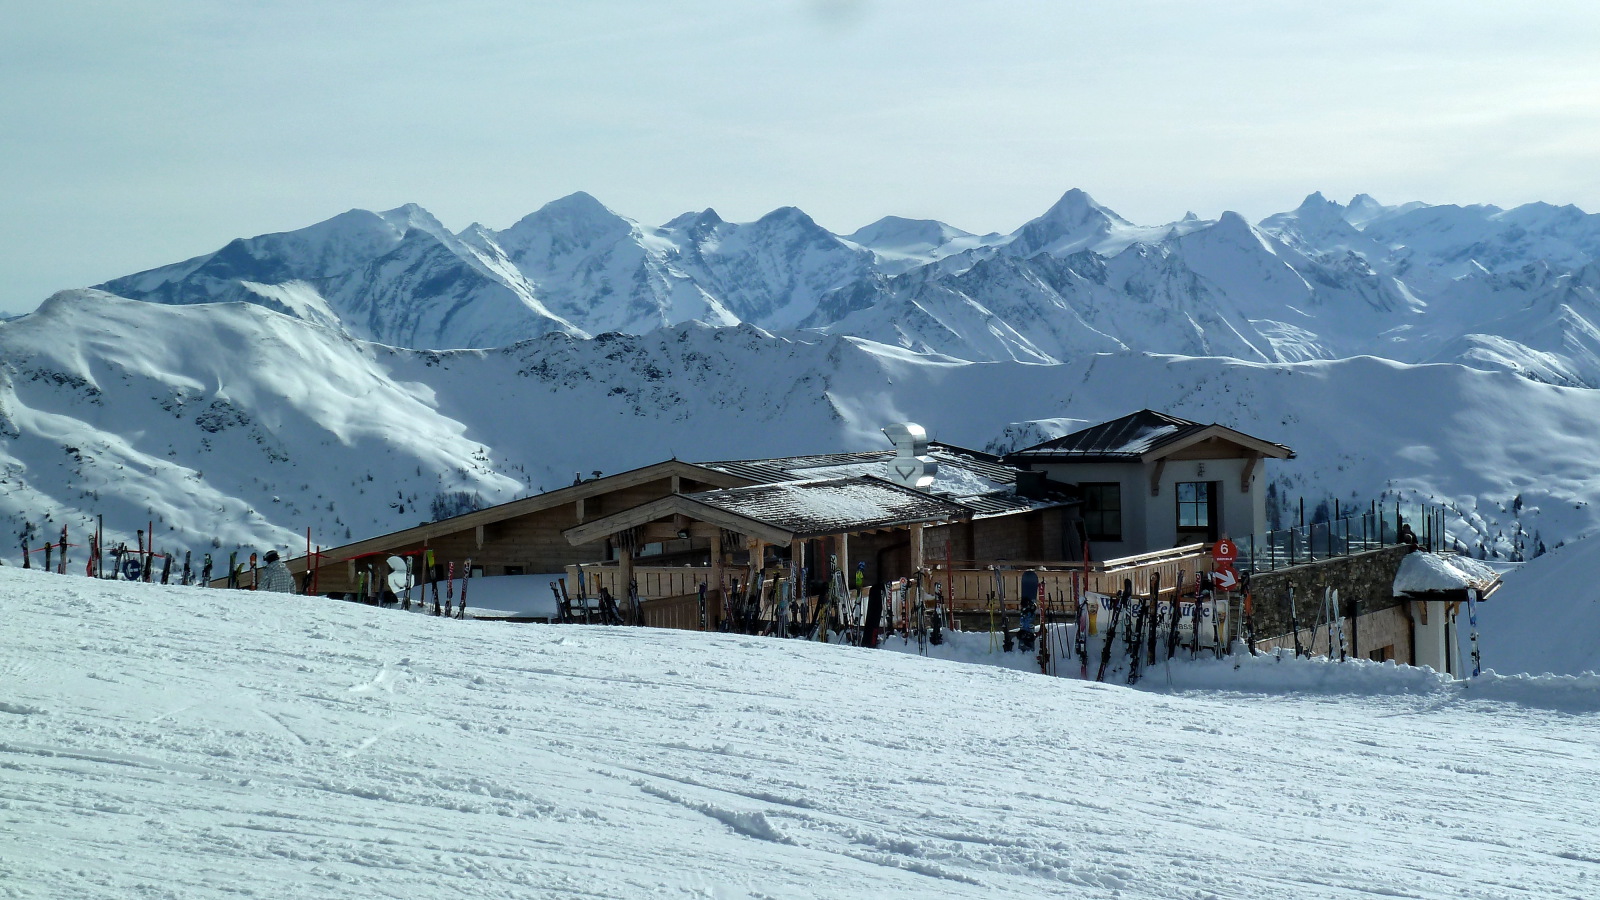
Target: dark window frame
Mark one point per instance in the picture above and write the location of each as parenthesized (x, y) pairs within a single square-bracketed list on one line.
[(1101, 521), (1202, 502)]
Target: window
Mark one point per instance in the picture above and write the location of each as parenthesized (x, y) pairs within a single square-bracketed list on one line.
[(1195, 506), (1102, 510)]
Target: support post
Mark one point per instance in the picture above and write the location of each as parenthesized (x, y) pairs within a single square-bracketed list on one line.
[(916, 547), (715, 588)]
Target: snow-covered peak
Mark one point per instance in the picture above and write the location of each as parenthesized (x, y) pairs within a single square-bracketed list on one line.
[(692, 220), (1319, 227), (785, 217), (1076, 207), (410, 217), (900, 235), (1231, 231), (575, 221), (1317, 207), (1075, 222), (1362, 209)]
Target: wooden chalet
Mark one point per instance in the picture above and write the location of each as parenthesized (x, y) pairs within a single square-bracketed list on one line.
[(673, 525), (974, 524)]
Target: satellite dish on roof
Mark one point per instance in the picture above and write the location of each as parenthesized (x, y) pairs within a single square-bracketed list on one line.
[(911, 467)]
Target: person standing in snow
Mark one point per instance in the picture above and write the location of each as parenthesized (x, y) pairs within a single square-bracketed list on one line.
[(275, 575)]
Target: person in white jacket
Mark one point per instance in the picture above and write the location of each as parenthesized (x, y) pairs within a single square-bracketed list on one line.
[(275, 575)]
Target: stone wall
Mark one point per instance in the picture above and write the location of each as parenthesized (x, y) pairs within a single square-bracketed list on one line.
[(1365, 583)]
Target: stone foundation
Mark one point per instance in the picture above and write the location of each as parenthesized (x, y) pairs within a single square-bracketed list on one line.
[(1374, 620)]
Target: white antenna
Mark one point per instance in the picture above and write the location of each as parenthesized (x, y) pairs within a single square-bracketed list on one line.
[(911, 467)]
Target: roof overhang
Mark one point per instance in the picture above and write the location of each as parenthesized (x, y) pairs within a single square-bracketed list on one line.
[(677, 504), (705, 508), (1254, 444), (525, 506)]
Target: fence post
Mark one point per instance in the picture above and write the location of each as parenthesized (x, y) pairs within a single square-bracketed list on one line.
[(1291, 545)]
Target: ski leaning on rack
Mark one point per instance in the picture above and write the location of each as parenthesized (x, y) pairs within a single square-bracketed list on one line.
[(466, 578), (1472, 622), (1177, 613), (1249, 613), (1136, 626), (1330, 603), (1117, 604), (1294, 624), (1080, 634)]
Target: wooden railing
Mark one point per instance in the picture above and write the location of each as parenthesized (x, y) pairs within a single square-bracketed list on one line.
[(970, 587), (673, 612), (653, 581), (966, 585)]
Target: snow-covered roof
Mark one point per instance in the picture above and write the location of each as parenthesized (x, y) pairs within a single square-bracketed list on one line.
[(962, 472), (977, 480), (833, 506), (1425, 572)]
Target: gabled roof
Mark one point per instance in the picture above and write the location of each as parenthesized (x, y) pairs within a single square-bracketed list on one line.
[(492, 514), (1141, 437), (791, 510)]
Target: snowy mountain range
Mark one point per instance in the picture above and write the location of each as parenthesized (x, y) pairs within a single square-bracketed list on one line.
[(1516, 289), (376, 369)]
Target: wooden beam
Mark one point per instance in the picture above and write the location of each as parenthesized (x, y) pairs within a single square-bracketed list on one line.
[(916, 548), (1155, 477), (654, 532), (478, 536), (580, 510), (666, 506), (1266, 448), (1249, 469)]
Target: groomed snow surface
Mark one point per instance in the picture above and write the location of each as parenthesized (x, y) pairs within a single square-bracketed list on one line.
[(184, 742), (1546, 617)]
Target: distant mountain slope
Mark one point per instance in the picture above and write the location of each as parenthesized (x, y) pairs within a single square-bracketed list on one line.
[(234, 425)]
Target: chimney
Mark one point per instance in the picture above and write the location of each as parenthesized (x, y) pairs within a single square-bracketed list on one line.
[(1030, 485), (911, 467)]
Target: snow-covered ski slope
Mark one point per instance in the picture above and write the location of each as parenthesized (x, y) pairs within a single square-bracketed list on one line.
[(191, 743), (1546, 616)]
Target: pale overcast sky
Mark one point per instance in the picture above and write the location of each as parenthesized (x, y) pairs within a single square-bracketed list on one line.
[(137, 134)]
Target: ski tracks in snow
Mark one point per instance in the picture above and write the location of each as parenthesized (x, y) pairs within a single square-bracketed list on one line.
[(311, 748)]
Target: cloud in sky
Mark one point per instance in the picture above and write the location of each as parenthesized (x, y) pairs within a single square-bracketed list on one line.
[(137, 135)]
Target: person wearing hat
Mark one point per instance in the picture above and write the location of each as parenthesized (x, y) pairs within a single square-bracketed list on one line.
[(275, 575)]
